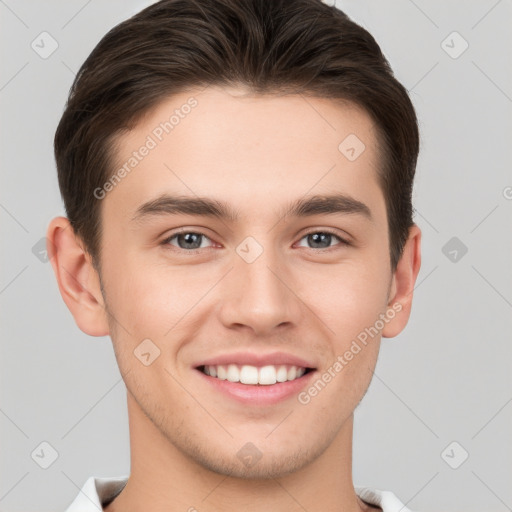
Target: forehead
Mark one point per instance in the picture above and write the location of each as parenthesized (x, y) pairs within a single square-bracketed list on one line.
[(248, 150)]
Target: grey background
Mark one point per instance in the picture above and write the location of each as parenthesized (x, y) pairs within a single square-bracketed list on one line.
[(446, 378)]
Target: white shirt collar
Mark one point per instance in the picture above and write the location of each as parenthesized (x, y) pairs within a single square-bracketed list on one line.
[(97, 492)]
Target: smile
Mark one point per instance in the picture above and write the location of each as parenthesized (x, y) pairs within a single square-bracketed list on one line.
[(254, 375)]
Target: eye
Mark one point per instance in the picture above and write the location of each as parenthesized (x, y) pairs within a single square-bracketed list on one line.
[(322, 239), (187, 240), (192, 240)]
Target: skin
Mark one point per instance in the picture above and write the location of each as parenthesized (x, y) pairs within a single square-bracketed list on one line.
[(256, 153)]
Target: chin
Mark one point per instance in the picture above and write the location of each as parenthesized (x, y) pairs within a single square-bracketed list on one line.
[(251, 458), (269, 466)]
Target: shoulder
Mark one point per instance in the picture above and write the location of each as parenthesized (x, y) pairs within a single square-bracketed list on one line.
[(96, 493), (386, 500)]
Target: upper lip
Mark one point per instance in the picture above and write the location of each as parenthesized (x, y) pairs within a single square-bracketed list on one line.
[(255, 359)]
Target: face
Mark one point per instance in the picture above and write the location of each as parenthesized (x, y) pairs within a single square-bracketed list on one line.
[(246, 277)]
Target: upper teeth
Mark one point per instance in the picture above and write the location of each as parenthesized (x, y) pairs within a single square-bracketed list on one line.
[(247, 374)]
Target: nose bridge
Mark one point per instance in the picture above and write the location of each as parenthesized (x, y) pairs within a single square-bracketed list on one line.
[(258, 297)]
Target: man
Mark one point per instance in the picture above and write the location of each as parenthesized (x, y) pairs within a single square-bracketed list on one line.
[(237, 177)]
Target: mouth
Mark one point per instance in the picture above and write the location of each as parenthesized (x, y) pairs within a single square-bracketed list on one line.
[(249, 375), (256, 379)]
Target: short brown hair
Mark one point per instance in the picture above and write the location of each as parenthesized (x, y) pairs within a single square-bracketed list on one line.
[(270, 46)]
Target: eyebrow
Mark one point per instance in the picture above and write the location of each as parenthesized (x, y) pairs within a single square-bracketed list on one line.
[(203, 206)]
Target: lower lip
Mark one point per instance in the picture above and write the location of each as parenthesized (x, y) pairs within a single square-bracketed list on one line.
[(259, 394)]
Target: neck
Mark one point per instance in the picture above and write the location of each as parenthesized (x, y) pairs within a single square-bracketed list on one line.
[(163, 478)]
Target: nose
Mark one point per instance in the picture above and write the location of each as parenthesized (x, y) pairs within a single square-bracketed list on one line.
[(260, 296)]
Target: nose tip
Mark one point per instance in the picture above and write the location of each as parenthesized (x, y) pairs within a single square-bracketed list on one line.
[(256, 295)]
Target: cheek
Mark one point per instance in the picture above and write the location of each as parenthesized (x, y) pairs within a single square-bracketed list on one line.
[(142, 303), (141, 286), (348, 298), (350, 303)]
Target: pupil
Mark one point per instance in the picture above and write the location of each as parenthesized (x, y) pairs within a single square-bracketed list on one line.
[(317, 239), (191, 238)]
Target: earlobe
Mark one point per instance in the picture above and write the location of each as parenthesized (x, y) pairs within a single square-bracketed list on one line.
[(403, 282), (77, 279)]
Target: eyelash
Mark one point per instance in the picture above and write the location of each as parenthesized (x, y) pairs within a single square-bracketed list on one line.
[(166, 242)]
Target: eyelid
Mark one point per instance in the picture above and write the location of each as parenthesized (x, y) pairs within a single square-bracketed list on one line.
[(343, 241), (179, 231)]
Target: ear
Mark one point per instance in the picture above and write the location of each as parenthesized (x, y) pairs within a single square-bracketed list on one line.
[(78, 280), (402, 284)]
